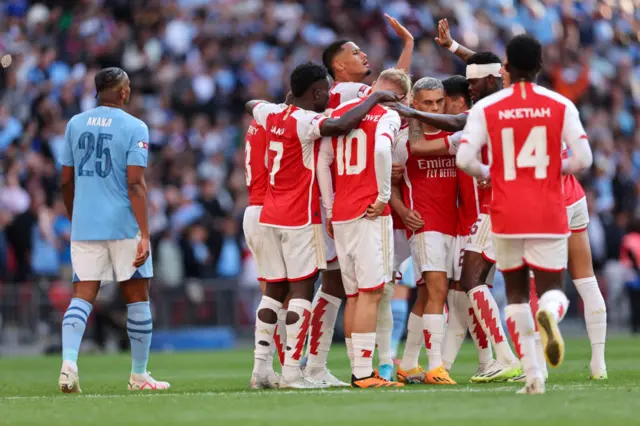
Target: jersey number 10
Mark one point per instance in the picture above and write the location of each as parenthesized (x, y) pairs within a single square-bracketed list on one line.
[(88, 144), (532, 154), (345, 151)]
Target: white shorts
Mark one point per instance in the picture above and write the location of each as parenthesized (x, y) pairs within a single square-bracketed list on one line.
[(330, 246), (457, 256), (254, 235), (546, 254), (480, 239), (431, 251), (365, 250), (108, 260), (293, 254), (578, 215), (401, 249)]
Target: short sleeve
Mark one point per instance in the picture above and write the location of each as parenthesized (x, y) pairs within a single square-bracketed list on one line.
[(572, 129), (309, 124), (263, 110), (138, 146), (66, 154), (475, 131)]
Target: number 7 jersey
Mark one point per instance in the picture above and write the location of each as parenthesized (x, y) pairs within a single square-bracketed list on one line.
[(100, 144), (292, 199), (525, 126)]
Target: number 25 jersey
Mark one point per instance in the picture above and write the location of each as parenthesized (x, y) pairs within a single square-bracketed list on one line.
[(525, 126), (292, 199), (99, 144)]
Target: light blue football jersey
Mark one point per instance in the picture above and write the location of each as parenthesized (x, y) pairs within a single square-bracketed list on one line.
[(100, 144)]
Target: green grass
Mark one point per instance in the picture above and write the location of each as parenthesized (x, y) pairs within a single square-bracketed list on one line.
[(211, 388)]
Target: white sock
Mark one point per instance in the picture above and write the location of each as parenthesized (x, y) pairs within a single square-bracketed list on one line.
[(480, 338), (595, 316), (384, 326), (414, 343), (296, 334), (542, 360), (456, 329), (487, 312), (522, 329), (323, 322), (263, 351), (433, 335), (364, 344), (555, 302), (349, 343), (280, 335)]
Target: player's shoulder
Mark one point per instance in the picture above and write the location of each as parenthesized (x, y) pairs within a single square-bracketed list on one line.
[(345, 106), (350, 87), (493, 99), (389, 114), (552, 95)]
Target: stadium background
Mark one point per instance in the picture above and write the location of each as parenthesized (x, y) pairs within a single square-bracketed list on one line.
[(193, 63)]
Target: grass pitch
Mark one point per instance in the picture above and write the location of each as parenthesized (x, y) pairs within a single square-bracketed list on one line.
[(211, 388)]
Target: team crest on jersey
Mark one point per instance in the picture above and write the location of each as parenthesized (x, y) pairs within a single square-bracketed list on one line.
[(143, 145), (363, 91)]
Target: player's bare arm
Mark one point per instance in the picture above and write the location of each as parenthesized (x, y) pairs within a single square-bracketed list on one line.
[(353, 117), (411, 218), (397, 170), (445, 40), (446, 122), (68, 188), (404, 61), (137, 189)]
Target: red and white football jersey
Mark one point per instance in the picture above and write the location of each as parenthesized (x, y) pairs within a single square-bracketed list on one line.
[(573, 191), (292, 198), (255, 163), (354, 161), (399, 144), (342, 92), (432, 187), (527, 126)]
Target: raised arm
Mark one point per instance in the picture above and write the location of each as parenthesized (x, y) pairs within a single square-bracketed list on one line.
[(404, 61), (445, 40), (353, 117)]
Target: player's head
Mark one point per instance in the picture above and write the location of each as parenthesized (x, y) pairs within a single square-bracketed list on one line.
[(428, 95), (310, 86), (483, 75), (112, 86), (524, 58), (394, 80), (457, 98), (346, 62)]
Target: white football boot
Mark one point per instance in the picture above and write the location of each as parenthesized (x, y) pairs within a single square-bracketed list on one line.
[(323, 375), (534, 387), (69, 381), (139, 382)]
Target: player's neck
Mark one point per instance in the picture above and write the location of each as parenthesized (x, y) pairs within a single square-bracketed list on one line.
[(302, 104), (110, 104), (346, 78), (429, 130)]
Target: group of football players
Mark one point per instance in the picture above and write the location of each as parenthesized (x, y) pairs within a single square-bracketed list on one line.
[(349, 181)]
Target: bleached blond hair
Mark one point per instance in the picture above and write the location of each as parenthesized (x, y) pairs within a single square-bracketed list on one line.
[(398, 77)]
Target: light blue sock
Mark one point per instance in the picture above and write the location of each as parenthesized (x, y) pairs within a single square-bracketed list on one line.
[(74, 323), (139, 328), (399, 310)]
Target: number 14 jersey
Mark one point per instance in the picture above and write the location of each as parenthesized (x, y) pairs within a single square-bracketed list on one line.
[(525, 126)]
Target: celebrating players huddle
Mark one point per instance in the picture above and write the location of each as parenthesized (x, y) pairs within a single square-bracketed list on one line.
[(352, 180)]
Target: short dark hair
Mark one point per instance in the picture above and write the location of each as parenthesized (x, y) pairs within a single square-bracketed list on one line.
[(304, 76), (483, 58), (524, 53), (108, 78), (330, 53), (457, 85)]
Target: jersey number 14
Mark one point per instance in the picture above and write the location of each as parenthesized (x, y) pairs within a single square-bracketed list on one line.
[(532, 154)]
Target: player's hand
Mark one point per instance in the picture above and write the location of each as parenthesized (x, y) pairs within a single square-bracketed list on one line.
[(386, 96), (143, 252), (374, 210), (400, 31), (413, 220), (397, 170), (444, 34), (402, 109), (484, 183), (329, 226)]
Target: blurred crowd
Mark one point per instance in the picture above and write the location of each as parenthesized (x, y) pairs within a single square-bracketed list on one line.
[(193, 63)]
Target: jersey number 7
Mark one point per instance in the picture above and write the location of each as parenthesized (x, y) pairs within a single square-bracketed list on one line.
[(532, 154)]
